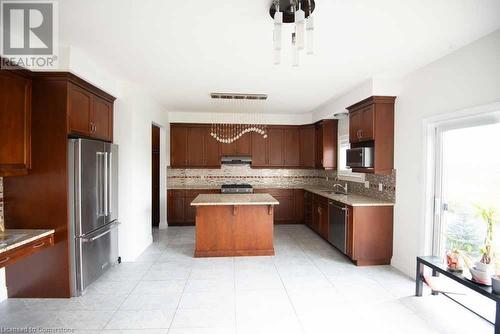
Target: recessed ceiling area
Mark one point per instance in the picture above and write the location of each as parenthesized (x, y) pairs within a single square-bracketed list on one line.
[(180, 51)]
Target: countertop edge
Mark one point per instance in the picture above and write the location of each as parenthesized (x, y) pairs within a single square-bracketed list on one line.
[(26, 241)]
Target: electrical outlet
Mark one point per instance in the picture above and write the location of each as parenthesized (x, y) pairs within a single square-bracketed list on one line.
[(367, 184), (380, 187)]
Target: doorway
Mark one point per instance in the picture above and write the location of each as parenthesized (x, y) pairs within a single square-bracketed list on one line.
[(155, 176)]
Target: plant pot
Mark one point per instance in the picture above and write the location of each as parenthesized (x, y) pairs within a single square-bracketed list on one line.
[(486, 268), (495, 282)]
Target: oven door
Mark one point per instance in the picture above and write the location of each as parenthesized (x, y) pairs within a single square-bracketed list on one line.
[(354, 157)]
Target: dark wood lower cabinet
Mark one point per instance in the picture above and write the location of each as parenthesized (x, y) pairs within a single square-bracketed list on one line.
[(289, 211), (369, 229), (179, 209)]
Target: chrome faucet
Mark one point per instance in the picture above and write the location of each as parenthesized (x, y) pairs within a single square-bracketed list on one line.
[(338, 185)]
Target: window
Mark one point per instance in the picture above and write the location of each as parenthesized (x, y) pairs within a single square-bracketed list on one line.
[(344, 172)]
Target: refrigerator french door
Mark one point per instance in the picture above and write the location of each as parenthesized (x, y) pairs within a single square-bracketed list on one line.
[(93, 196)]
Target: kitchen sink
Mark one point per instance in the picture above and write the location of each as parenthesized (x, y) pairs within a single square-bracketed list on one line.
[(331, 192)]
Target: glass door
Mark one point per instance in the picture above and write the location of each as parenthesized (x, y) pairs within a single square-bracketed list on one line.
[(467, 182)]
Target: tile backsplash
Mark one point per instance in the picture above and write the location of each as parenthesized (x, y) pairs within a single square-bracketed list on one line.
[(288, 178)]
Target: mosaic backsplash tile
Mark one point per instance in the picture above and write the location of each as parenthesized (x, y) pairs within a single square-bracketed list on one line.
[(288, 178)]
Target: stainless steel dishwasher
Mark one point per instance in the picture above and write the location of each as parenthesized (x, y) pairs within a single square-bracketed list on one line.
[(337, 232)]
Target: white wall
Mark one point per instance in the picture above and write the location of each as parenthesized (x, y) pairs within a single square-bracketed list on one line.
[(466, 78), (135, 112), (205, 117), (469, 77)]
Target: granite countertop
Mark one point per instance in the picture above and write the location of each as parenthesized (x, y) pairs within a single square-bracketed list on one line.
[(349, 199), (11, 239), (255, 186), (234, 199)]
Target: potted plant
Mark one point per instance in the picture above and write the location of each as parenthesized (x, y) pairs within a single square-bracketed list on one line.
[(485, 268)]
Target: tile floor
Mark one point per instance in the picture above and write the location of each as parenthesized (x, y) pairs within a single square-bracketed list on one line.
[(308, 287)]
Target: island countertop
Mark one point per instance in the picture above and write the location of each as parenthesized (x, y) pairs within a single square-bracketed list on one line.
[(234, 199)]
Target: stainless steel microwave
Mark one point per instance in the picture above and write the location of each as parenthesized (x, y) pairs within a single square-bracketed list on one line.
[(360, 157)]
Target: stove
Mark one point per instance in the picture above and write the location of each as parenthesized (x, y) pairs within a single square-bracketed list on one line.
[(236, 188)]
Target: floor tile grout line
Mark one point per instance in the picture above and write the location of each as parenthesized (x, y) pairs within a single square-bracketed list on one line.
[(180, 299), (290, 299)]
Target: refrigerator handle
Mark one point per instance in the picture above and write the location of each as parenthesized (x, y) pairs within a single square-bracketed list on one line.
[(105, 183), (110, 182), (100, 192)]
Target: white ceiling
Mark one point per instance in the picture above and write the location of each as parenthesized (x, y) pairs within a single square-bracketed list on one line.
[(182, 50)]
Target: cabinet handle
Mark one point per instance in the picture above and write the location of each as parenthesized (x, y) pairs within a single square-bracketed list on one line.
[(39, 245), (2, 261)]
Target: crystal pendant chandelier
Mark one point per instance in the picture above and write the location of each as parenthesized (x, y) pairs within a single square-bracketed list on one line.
[(242, 112), (298, 12)]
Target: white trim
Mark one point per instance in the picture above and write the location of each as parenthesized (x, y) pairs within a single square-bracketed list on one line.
[(480, 115)]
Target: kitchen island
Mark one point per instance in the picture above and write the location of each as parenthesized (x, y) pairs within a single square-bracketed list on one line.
[(234, 224)]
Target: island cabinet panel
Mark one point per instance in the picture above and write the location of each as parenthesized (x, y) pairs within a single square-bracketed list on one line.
[(234, 230), (214, 231), (371, 124), (15, 123), (307, 147)]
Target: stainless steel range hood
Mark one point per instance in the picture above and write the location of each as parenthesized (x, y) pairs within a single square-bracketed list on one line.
[(236, 160)]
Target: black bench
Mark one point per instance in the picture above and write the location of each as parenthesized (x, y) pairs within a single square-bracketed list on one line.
[(439, 267)]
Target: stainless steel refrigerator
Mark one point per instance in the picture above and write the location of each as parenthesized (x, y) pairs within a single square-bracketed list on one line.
[(93, 198)]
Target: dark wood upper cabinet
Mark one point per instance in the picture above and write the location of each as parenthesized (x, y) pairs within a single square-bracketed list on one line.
[(195, 137), (292, 147), (191, 145), (80, 111), (327, 144), (371, 123), (275, 147), (178, 146), (89, 115), (330, 143), (361, 124), (211, 150), (259, 150), (319, 146), (102, 119), (15, 123), (242, 146), (307, 149)]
